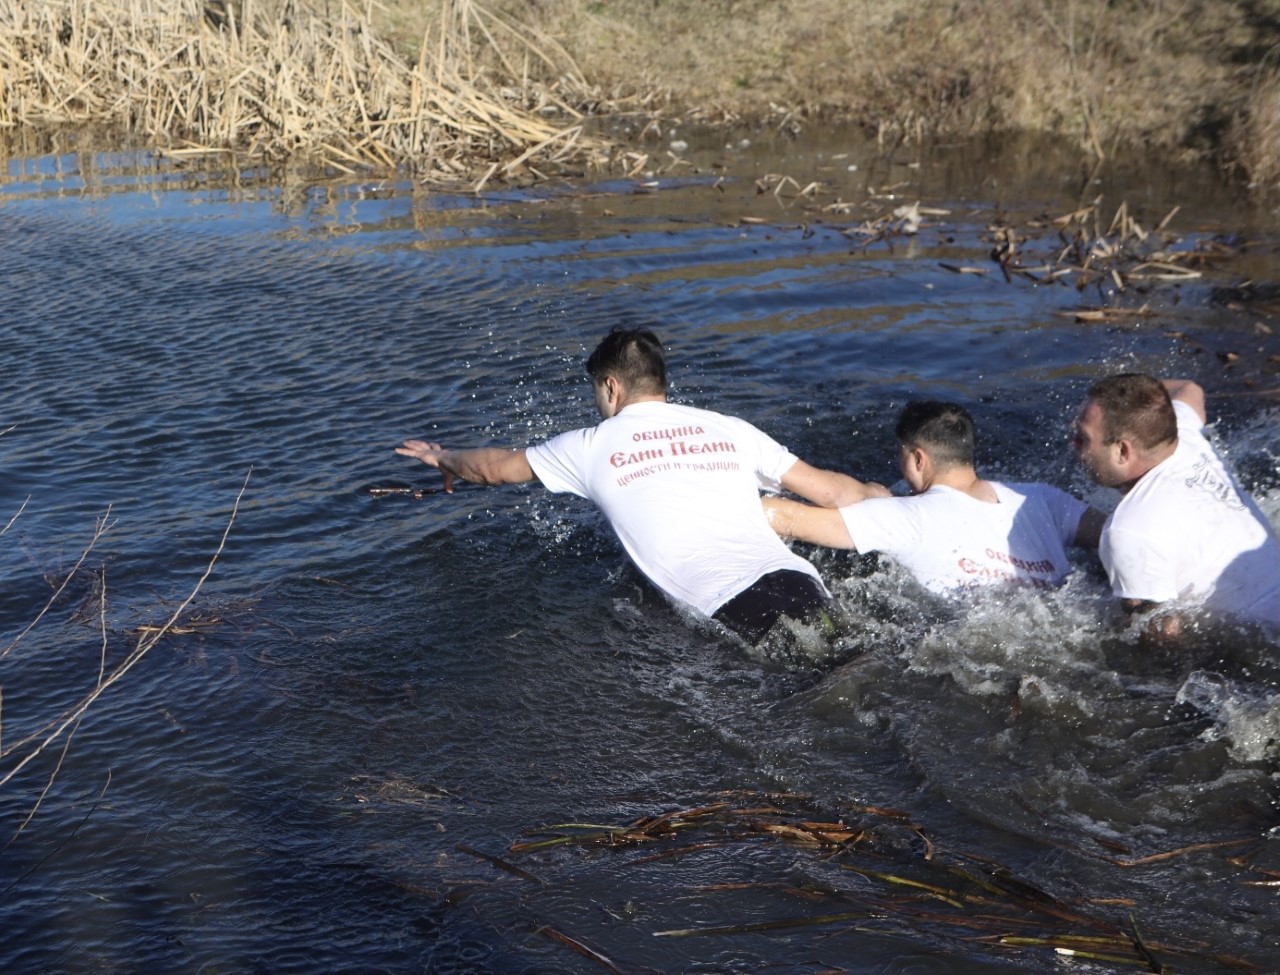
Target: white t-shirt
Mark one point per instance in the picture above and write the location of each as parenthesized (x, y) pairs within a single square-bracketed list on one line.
[(949, 540), (681, 488), (1187, 531)]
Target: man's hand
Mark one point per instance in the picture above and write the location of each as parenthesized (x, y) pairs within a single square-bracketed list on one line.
[(430, 454)]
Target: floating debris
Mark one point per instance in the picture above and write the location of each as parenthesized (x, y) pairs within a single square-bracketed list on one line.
[(196, 623), (957, 269), (906, 885), (1106, 314)]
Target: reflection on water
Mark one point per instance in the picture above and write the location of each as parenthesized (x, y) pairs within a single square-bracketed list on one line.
[(375, 685)]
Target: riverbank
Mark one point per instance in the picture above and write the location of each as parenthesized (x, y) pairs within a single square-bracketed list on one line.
[(451, 89), (1194, 79)]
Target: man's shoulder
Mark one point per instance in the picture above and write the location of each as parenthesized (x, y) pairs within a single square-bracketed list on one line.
[(1021, 488), (935, 502), (1041, 490), (648, 410), (1030, 487), (1169, 483), (566, 440)]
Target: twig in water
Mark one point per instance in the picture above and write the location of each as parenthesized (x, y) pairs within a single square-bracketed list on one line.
[(55, 728), (16, 513), (8, 890), (580, 948), (99, 531), (1182, 851), (1143, 952), (501, 864)]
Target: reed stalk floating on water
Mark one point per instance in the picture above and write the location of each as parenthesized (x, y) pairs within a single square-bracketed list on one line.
[(909, 887)]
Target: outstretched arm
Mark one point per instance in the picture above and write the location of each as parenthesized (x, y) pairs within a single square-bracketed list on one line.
[(807, 523), (829, 489), (1189, 392), (482, 465)]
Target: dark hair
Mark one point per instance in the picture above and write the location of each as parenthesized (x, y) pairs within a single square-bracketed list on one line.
[(634, 356), (945, 430), (1137, 407)]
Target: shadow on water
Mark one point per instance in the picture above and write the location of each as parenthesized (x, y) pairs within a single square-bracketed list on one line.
[(382, 688)]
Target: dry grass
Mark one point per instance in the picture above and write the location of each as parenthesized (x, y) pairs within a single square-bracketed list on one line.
[(1111, 74), (1253, 143), (290, 83), (449, 89)]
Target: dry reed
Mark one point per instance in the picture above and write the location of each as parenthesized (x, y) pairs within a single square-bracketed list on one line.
[(290, 85), (905, 884)]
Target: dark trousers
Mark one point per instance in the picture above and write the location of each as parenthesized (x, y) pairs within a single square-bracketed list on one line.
[(753, 612)]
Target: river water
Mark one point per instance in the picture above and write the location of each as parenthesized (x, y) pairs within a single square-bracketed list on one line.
[(375, 694)]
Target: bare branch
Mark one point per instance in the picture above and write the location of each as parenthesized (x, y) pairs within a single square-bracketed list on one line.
[(56, 728), (101, 529), (17, 513)]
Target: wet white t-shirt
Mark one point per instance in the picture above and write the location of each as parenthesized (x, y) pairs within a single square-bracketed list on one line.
[(681, 488), (1188, 532), (951, 541)]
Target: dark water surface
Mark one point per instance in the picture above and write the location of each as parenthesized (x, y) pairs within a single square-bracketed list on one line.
[(368, 688)]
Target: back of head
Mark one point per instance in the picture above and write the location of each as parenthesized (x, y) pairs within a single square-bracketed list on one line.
[(1135, 407), (634, 356), (943, 430)]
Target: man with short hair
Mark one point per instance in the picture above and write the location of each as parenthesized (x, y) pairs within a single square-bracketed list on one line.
[(680, 486), (1184, 529), (956, 531)]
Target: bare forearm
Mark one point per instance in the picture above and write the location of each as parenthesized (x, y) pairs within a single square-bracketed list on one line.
[(486, 465), (829, 489), (807, 523), (843, 490), (482, 465)]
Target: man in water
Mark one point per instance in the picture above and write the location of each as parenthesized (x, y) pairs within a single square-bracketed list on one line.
[(956, 531), (1184, 530), (680, 486)]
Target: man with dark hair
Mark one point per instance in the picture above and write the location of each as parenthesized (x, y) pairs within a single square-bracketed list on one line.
[(945, 429), (680, 486), (956, 531), (1184, 532)]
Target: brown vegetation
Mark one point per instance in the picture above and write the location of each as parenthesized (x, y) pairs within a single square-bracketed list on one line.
[(1192, 77), (289, 83), (852, 871), (445, 88)]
